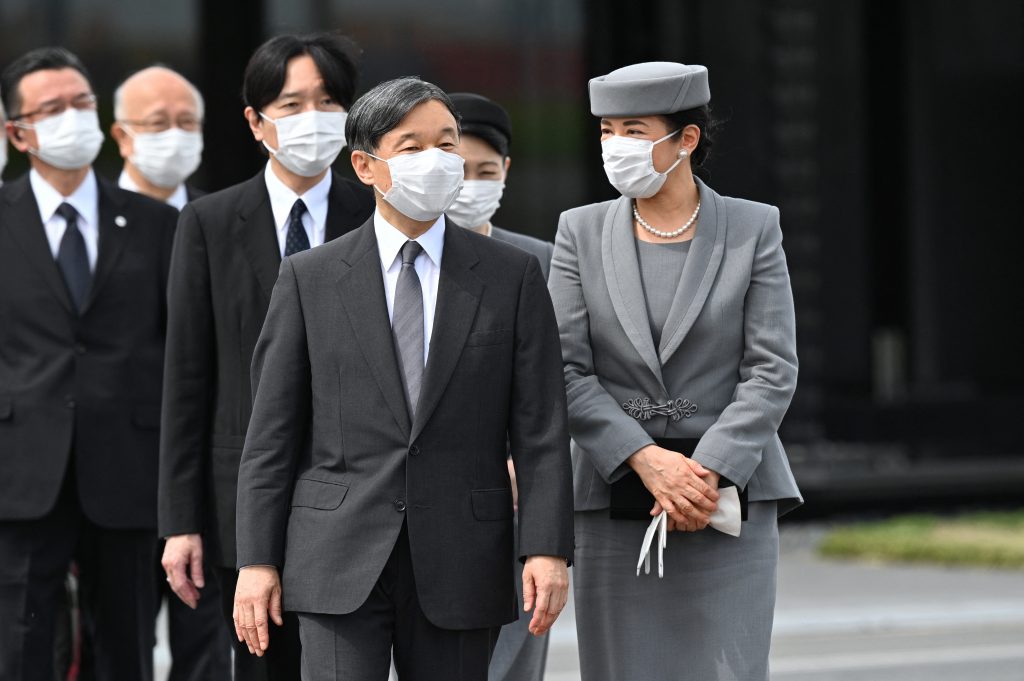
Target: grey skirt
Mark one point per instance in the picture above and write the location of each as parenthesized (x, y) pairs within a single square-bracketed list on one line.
[(709, 618)]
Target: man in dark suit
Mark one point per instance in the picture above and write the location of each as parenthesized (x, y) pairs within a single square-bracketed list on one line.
[(158, 130), (486, 137), (83, 271), (394, 366), (227, 252)]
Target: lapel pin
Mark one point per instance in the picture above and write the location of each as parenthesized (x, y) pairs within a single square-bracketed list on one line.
[(120, 221)]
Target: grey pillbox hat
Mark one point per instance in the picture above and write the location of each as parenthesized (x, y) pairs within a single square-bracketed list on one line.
[(651, 88)]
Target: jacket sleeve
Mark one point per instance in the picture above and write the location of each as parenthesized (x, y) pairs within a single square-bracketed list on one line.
[(597, 422), (768, 369), (278, 428), (538, 432), (189, 368)]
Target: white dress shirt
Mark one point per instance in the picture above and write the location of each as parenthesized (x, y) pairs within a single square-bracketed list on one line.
[(314, 220), (85, 200), (178, 199), (428, 267)]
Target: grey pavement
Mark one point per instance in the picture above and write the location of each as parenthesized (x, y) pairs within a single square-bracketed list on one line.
[(852, 621)]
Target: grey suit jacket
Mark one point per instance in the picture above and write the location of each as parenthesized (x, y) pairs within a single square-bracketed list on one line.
[(727, 354), (541, 249), (333, 465)]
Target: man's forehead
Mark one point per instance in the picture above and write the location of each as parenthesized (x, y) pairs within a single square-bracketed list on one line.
[(157, 87), (45, 83), (427, 117)]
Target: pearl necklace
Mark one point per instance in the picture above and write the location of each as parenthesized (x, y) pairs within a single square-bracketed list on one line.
[(665, 235)]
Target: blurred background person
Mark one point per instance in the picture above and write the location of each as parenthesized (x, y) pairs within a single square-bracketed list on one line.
[(678, 337), (159, 133), (486, 137), (158, 127), (83, 269), (485, 141), (228, 249)]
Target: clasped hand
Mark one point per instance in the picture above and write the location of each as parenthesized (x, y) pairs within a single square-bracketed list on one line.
[(683, 488)]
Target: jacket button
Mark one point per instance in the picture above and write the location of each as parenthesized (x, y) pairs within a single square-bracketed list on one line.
[(70, 402), (399, 505), (414, 450), (80, 349)]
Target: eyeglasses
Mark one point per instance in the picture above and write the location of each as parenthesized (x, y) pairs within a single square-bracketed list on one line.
[(186, 123), (83, 102)]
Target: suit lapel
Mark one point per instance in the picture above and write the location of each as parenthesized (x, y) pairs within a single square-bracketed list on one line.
[(458, 296), (622, 276), (342, 209), (26, 226), (115, 229), (699, 272), (361, 287), (256, 234)]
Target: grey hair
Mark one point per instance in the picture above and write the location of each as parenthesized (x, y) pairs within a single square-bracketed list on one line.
[(380, 110), (119, 93)]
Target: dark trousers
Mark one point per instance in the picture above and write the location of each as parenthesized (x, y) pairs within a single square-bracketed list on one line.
[(281, 661), (115, 570), (200, 648), (359, 646)]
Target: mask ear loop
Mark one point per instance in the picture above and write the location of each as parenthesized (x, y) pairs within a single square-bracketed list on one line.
[(682, 154)]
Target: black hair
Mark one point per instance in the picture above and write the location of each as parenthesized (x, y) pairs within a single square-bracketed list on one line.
[(40, 59), (380, 110), (490, 135), (333, 54), (701, 117)]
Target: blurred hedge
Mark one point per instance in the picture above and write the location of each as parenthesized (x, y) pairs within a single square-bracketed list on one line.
[(977, 539)]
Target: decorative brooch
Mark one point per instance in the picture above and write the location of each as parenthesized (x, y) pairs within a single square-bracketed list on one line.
[(641, 408)]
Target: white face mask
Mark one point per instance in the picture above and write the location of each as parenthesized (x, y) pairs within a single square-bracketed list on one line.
[(3, 155), (424, 184), (308, 143), (69, 140), (166, 158), (629, 164), (476, 203)]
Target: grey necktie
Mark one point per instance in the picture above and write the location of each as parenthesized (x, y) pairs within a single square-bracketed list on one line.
[(72, 258), (296, 240), (407, 323)]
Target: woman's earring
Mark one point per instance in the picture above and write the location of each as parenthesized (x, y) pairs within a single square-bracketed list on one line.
[(683, 153)]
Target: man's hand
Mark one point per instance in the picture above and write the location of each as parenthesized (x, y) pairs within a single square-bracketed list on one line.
[(545, 591), (678, 485), (257, 594), (183, 563)]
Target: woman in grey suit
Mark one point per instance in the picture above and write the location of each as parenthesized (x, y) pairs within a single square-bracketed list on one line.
[(677, 328)]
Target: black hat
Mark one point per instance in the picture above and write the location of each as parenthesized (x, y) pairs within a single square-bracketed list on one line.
[(477, 110)]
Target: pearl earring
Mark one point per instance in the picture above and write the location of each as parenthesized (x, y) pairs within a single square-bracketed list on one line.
[(683, 153)]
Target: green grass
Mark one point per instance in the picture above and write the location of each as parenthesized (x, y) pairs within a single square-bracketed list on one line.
[(977, 539)]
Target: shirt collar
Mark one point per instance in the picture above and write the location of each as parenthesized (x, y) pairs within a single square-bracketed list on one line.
[(282, 199), (177, 199), (390, 240), (85, 199)]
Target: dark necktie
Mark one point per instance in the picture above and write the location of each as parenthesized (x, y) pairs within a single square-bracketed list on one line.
[(73, 259), (296, 240), (407, 323)]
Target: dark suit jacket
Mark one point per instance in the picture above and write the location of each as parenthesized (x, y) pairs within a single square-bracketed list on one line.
[(193, 193), (86, 384), (226, 258), (541, 249), (333, 465)]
